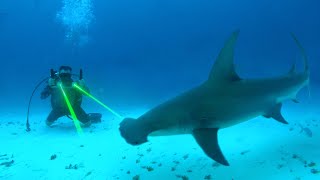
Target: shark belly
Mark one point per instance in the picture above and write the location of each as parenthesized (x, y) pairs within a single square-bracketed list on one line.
[(172, 131), (240, 112), (174, 123), (211, 115)]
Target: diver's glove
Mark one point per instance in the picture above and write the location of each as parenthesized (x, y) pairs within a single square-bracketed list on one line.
[(45, 93), (81, 83)]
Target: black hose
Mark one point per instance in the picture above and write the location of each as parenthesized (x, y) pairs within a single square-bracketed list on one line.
[(27, 124)]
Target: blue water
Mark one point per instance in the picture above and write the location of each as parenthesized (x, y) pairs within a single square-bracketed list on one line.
[(140, 53)]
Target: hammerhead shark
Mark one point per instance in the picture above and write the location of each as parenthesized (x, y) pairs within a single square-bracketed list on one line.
[(223, 100)]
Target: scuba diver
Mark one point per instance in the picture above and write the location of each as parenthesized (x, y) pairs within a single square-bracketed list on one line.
[(58, 103)]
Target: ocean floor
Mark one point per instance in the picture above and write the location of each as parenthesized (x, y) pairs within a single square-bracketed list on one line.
[(257, 149)]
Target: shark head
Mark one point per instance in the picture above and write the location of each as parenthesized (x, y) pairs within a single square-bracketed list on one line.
[(134, 133)]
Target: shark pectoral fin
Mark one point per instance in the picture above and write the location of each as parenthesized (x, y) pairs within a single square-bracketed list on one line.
[(207, 138), (275, 113)]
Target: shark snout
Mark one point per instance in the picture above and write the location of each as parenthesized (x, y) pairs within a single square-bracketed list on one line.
[(133, 132)]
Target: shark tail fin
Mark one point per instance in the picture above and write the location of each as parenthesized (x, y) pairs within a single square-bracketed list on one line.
[(133, 131), (309, 93), (303, 52), (305, 58)]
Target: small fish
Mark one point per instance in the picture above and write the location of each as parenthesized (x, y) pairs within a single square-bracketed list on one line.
[(244, 152), (306, 131), (88, 173)]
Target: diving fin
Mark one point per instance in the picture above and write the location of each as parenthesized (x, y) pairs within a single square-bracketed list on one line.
[(95, 117)]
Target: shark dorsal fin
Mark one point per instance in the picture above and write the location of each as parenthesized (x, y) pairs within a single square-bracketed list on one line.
[(223, 69), (292, 70)]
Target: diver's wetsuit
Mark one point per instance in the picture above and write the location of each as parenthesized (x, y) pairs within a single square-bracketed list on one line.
[(59, 105)]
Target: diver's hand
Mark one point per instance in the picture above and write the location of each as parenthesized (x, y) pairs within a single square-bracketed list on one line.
[(45, 94), (51, 82), (81, 83)]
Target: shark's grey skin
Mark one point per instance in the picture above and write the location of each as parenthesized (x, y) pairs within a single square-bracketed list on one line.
[(222, 101)]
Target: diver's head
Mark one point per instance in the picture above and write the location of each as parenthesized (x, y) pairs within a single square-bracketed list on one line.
[(65, 73)]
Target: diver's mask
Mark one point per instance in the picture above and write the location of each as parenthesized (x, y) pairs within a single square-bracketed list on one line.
[(65, 76), (66, 79)]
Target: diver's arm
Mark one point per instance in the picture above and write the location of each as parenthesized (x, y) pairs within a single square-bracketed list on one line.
[(46, 92), (83, 85)]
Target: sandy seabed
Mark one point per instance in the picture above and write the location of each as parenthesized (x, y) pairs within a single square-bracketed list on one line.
[(257, 149)]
